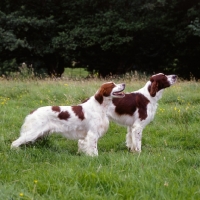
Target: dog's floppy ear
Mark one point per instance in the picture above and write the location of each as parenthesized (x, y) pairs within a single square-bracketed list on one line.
[(99, 97), (153, 88)]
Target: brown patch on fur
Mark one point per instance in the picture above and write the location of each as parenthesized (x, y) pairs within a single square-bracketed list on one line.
[(33, 111), (158, 82), (153, 89), (78, 110), (64, 115), (104, 91), (56, 108), (99, 98), (129, 104)]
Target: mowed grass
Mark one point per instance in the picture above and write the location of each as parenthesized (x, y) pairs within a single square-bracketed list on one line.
[(168, 167)]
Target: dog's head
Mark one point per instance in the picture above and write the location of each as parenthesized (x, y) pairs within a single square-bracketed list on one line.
[(110, 89), (159, 82)]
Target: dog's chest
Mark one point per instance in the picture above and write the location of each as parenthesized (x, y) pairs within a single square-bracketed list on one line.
[(151, 110)]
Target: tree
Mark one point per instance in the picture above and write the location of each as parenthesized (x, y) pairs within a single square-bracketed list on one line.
[(105, 36), (123, 35), (26, 34)]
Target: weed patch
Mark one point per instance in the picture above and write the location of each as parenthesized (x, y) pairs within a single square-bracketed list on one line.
[(167, 168)]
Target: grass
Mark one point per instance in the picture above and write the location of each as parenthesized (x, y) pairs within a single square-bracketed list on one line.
[(168, 167), (76, 73)]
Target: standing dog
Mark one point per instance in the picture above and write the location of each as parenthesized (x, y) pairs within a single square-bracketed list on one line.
[(86, 122), (137, 109)]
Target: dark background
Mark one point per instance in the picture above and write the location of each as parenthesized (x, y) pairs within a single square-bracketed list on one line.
[(104, 36)]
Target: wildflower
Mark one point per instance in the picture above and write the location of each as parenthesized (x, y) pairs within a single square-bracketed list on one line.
[(35, 181), (21, 194), (166, 184)]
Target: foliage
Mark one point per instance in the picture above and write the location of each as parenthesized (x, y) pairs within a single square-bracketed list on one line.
[(108, 37), (8, 66), (195, 27), (167, 168)]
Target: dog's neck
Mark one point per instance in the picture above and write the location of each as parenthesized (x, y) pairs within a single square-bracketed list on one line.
[(145, 90), (102, 100)]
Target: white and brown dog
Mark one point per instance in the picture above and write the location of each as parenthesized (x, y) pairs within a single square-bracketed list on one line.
[(137, 109), (86, 122)]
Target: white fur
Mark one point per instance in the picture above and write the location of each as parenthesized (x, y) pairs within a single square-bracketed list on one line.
[(45, 121)]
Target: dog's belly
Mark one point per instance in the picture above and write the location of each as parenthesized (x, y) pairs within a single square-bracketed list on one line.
[(124, 120), (72, 131), (76, 135)]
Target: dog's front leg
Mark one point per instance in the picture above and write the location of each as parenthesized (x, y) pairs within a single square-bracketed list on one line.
[(88, 145), (133, 138), (130, 139), (138, 136)]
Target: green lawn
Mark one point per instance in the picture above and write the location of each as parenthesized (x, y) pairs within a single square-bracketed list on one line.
[(167, 169)]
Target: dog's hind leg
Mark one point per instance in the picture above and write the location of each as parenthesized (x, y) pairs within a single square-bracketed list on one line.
[(26, 138), (29, 134), (21, 140)]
